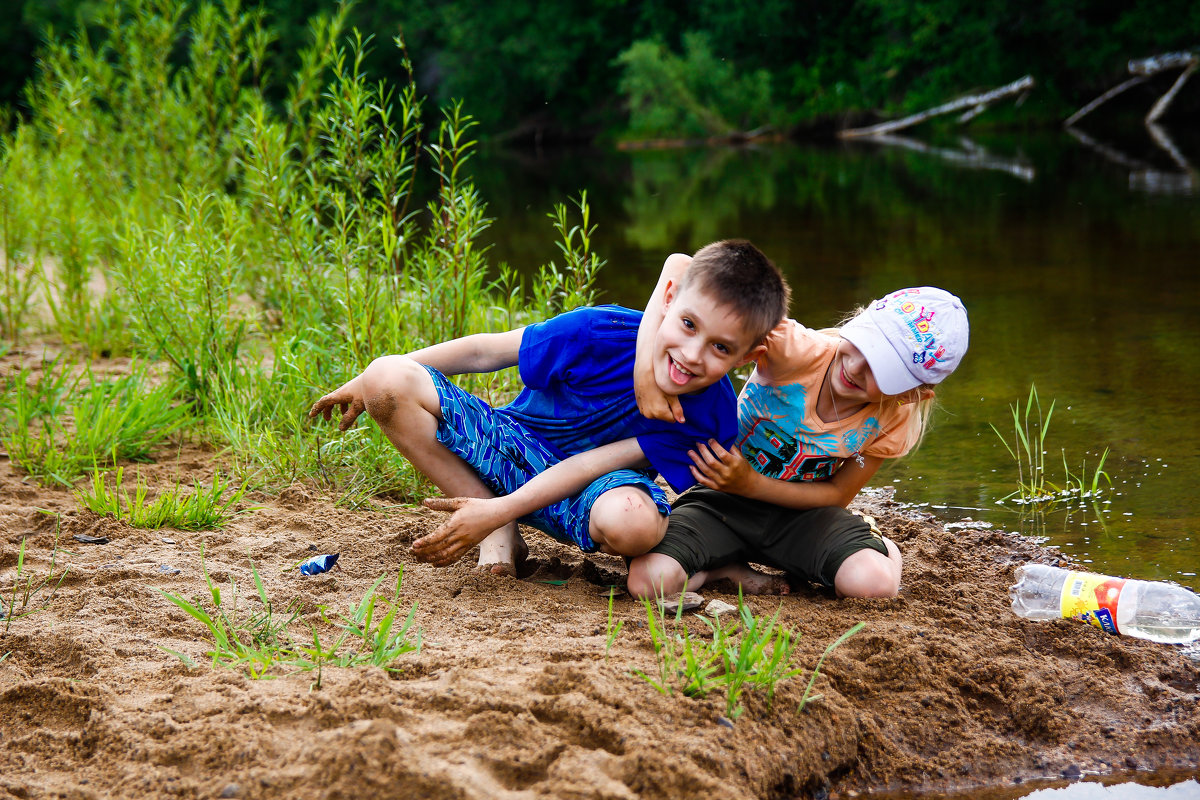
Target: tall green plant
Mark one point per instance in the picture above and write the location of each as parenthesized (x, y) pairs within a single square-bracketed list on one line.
[(126, 117), (24, 222), (331, 188), (183, 276), (447, 270)]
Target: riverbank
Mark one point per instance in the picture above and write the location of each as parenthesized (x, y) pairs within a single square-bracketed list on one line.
[(512, 694)]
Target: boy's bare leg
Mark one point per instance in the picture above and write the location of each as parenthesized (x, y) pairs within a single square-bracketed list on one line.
[(625, 521), (656, 575), (502, 550), (401, 397)]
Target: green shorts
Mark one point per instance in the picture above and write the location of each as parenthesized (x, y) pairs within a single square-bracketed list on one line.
[(709, 529)]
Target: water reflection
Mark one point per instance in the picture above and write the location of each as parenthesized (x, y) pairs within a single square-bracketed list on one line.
[(968, 154), (1074, 280), (1142, 176), (1147, 786)]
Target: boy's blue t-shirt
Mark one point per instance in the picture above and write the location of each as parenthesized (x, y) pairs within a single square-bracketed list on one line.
[(578, 374)]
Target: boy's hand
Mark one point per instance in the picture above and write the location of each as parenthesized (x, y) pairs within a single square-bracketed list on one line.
[(721, 469), (348, 399), (651, 400), (473, 519)]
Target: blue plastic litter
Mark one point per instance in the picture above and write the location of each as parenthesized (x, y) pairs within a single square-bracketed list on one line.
[(318, 564)]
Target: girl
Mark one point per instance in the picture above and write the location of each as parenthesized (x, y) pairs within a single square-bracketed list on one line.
[(820, 413)]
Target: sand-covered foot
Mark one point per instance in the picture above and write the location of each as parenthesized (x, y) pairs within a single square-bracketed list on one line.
[(751, 580), (501, 553)]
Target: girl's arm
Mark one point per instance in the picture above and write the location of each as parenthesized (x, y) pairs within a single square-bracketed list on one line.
[(475, 518), (650, 400), (726, 470)]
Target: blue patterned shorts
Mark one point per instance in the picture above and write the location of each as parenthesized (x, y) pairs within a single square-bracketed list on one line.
[(506, 455)]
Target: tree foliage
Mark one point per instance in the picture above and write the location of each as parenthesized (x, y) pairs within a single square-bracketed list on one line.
[(602, 64)]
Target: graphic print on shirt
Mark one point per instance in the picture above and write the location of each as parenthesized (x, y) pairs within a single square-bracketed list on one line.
[(772, 436)]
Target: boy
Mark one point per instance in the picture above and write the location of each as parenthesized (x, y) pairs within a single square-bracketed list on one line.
[(572, 455)]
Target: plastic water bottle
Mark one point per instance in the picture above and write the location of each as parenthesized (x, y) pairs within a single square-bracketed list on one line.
[(1160, 612)]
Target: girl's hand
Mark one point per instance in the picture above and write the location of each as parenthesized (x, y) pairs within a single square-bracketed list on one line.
[(725, 470), (652, 401)]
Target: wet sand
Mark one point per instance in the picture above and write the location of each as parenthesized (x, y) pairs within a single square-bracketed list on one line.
[(512, 694)]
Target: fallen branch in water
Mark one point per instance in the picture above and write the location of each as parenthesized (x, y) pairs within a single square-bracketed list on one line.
[(975, 104), (1142, 70)]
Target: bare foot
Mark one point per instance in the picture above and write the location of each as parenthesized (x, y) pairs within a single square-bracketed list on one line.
[(502, 551), (751, 580)]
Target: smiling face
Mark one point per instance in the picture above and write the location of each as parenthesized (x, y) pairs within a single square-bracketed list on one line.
[(850, 378), (698, 341)]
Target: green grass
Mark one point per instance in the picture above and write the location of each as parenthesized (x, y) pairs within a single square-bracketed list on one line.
[(262, 644), (757, 656), (204, 508), (611, 631), (31, 592), (62, 424), (1028, 449), (153, 203), (808, 697), (746, 653)]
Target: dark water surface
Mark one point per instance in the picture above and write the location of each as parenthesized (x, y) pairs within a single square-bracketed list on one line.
[(1078, 260)]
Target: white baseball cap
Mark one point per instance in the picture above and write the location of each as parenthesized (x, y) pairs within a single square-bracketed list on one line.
[(910, 337)]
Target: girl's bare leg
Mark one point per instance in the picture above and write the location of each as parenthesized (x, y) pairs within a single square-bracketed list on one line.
[(750, 580), (869, 573)]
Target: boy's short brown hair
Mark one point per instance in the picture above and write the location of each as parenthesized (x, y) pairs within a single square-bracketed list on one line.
[(736, 273)]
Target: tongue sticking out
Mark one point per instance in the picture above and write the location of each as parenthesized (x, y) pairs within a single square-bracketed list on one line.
[(678, 376)]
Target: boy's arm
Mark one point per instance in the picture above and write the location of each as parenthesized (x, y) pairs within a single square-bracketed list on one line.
[(475, 518), (718, 468), (651, 401), (481, 352)]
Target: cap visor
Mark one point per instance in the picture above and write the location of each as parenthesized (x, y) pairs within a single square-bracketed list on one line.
[(890, 373)]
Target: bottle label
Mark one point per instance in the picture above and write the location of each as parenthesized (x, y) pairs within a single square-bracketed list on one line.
[(1092, 598)]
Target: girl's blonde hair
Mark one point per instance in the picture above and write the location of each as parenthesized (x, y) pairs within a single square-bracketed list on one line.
[(924, 398)]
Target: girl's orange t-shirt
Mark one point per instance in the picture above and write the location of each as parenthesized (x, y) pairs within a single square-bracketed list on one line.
[(779, 431)]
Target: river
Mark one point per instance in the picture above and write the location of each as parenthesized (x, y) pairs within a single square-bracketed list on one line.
[(1076, 255)]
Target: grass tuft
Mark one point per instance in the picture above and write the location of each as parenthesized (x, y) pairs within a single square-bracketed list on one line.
[(29, 592), (61, 425), (1028, 450), (205, 508), (262, 643), (745, 653), (611, 632)]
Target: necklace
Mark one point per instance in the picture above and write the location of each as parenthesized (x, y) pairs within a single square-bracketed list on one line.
[(832, 400), (857, 456)]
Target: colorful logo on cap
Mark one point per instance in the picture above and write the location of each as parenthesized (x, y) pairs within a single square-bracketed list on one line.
[(919, 321)]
